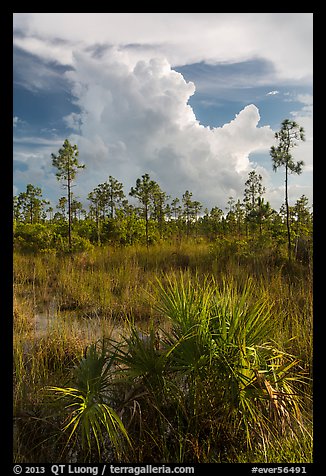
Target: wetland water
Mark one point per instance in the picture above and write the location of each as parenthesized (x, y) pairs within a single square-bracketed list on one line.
[(51, 319)]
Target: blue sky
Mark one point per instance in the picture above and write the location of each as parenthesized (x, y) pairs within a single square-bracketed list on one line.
[(192, 99)]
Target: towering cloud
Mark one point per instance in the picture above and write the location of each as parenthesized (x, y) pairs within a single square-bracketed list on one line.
[(135, 118)]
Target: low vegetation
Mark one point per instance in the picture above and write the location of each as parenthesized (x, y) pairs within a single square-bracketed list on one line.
[(163, 354)]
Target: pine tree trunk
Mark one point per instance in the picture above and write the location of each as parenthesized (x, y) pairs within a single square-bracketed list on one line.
[(146, 224), (287, 213), (69, 214)]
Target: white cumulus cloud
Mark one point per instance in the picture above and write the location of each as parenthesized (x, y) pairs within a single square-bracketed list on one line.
[(136, 120)]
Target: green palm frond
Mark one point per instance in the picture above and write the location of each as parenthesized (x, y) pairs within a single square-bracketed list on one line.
[(184, 304), (89, 417), (137, 356), (94, 371)]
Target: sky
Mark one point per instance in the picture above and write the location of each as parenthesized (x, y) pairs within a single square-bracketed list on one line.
[(192, 99)]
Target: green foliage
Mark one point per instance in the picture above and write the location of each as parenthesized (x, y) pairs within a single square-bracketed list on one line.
[(89, 412), (129, 229), (45, 238), (138, 356), (151, 198), (288, 137), (112, 220), (34, 237), (66, 162), (221, 341), (29, 205), (86, 229), (79, 244), (106, 197)]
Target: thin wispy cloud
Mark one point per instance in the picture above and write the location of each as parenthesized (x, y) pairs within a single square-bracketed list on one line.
[(182, 38)]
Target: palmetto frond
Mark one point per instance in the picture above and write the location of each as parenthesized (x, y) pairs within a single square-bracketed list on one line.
[(90, 414)]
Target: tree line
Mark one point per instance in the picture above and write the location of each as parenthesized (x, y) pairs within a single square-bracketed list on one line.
[(111, 218)]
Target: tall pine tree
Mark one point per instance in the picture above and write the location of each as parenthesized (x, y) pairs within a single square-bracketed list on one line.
[(67, 164)]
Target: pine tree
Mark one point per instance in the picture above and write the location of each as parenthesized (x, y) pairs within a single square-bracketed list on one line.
[(144, 191), (288, 136), (67, 164)]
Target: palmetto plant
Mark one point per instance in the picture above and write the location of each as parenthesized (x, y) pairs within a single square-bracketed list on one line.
[(257, 375), (221, 338), (91, 418)]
